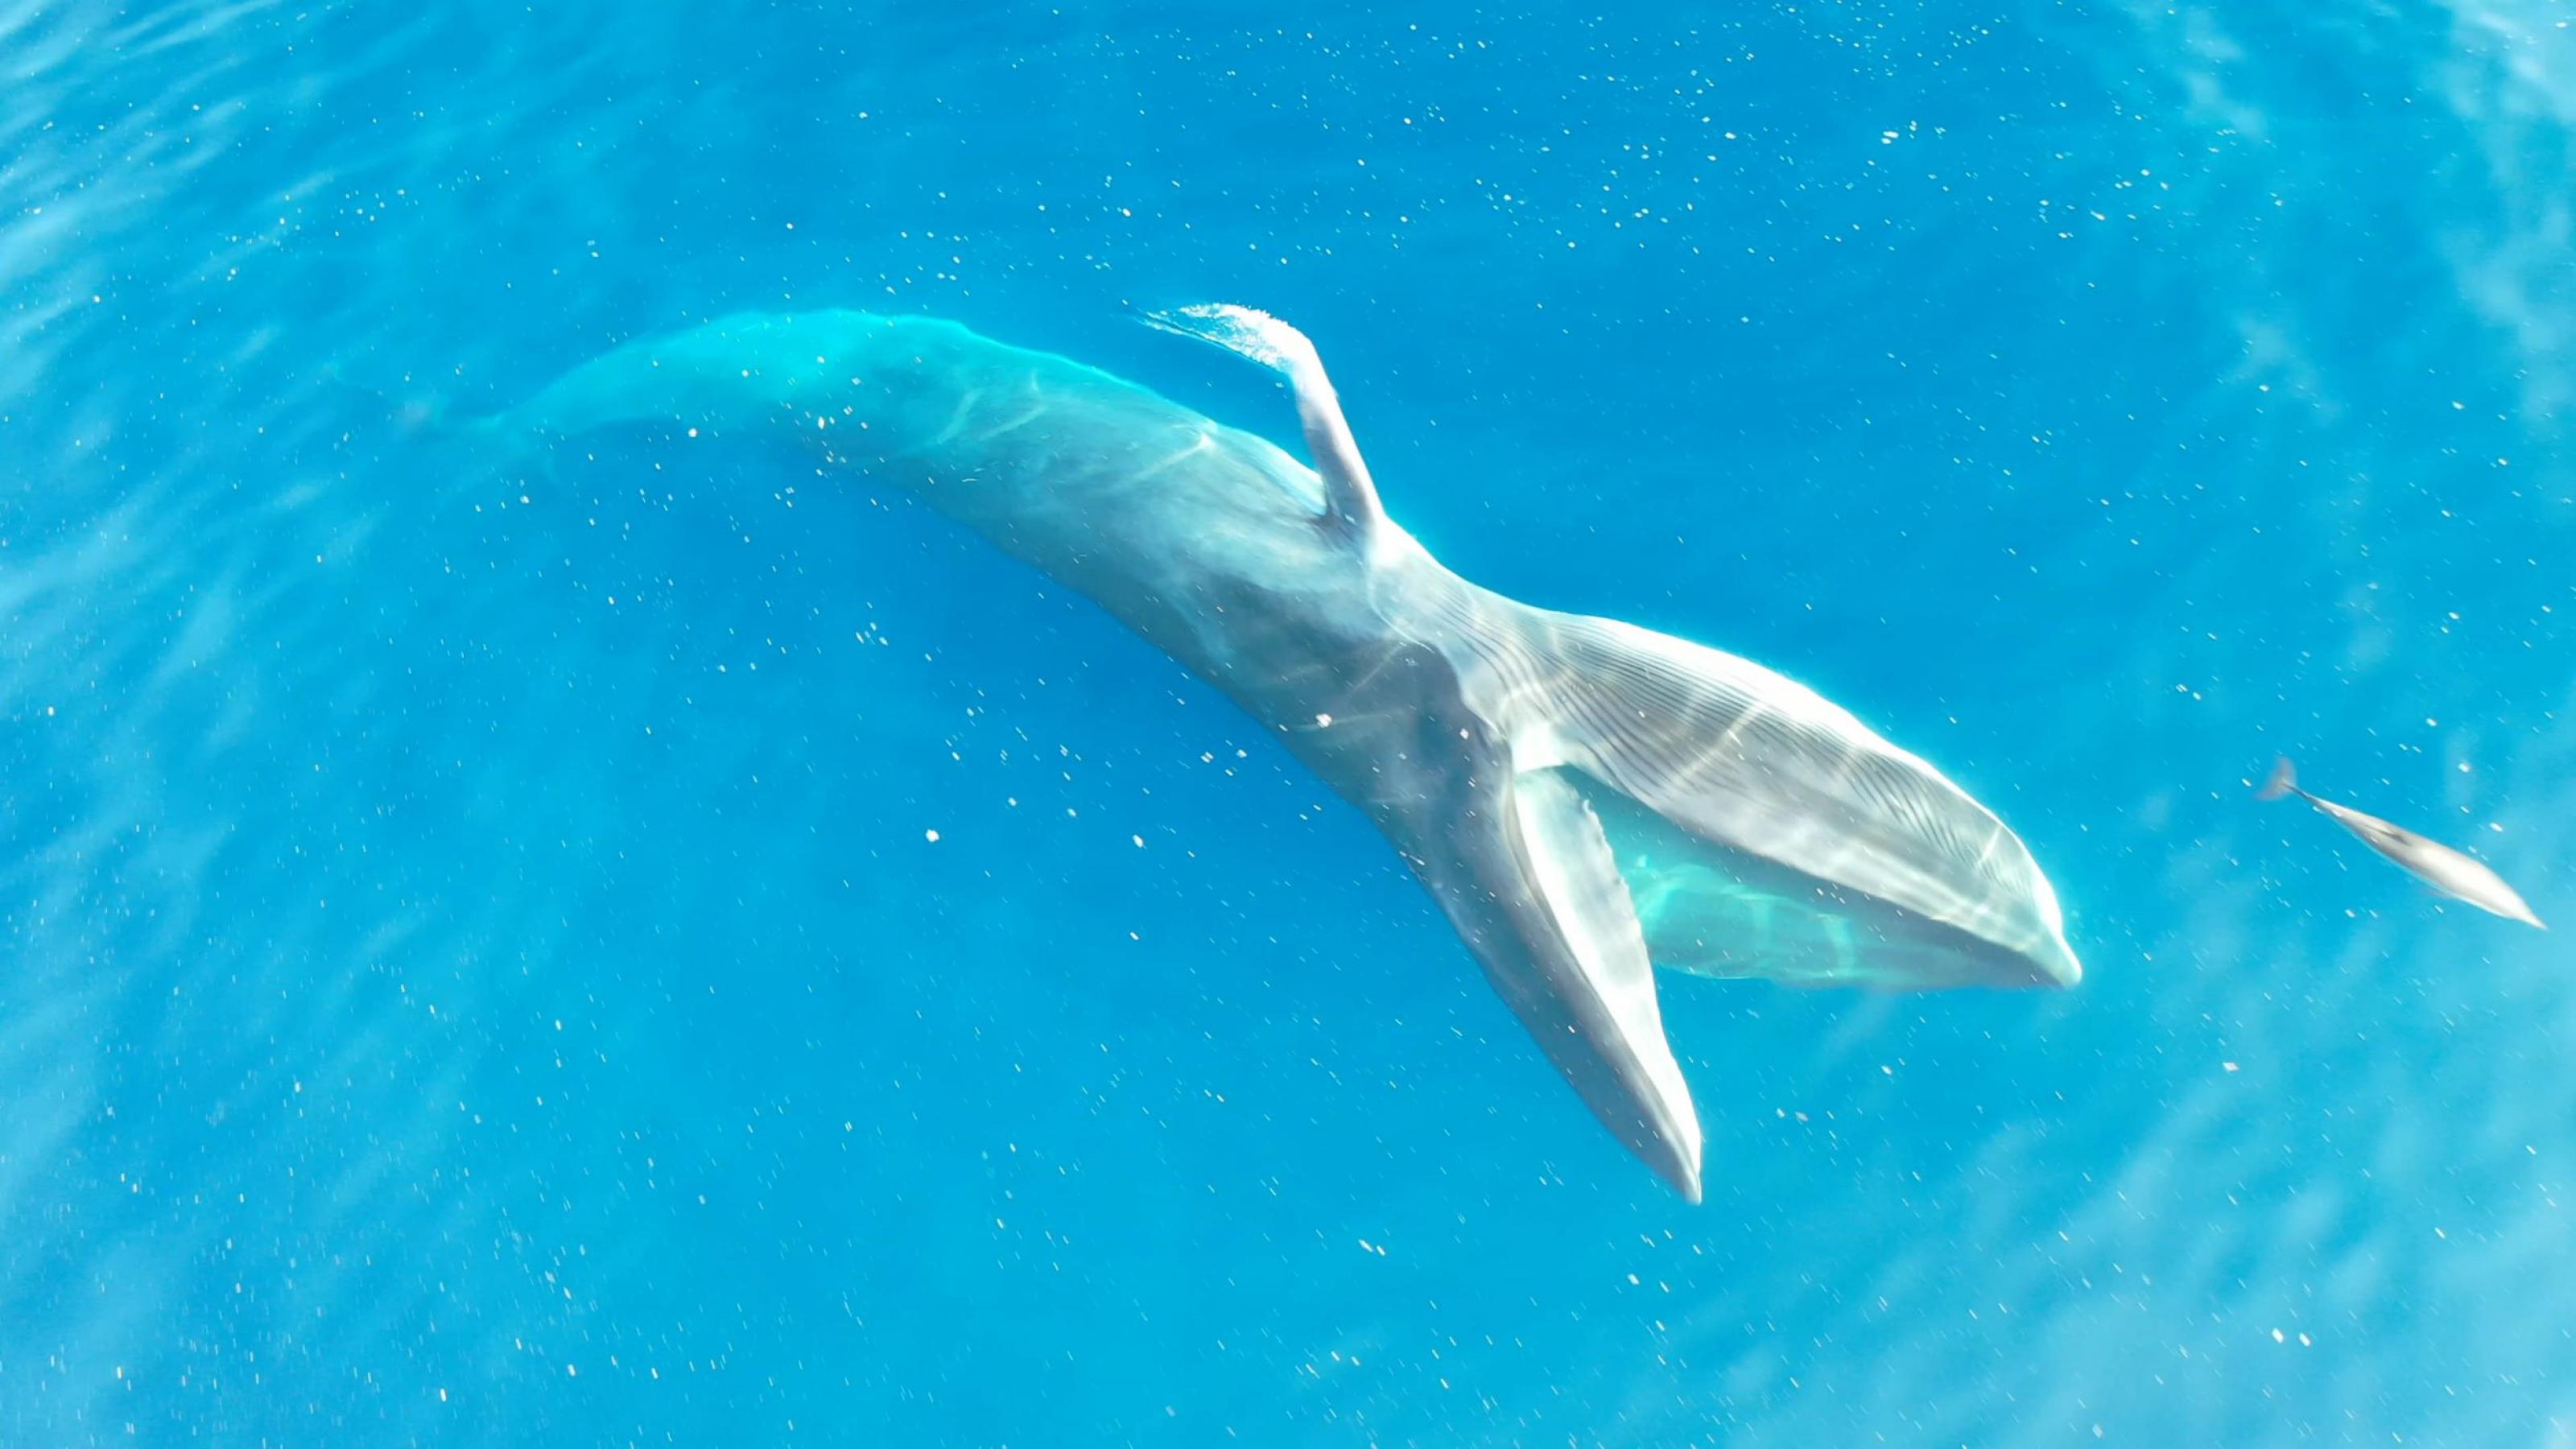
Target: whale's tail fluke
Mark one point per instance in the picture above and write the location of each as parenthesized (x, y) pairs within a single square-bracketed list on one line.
[(2284, 780), (409, 403), (424, 414)]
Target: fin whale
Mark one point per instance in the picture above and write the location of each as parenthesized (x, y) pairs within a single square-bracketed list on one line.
[(1584, 799)]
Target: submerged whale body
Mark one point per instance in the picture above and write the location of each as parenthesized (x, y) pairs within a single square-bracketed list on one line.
[(1584, 799)]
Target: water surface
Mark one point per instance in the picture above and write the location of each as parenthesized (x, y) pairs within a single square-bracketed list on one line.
[(477, 967)]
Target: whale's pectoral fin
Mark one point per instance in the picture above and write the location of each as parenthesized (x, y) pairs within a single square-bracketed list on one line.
[(1563, 948), (1351, 495)]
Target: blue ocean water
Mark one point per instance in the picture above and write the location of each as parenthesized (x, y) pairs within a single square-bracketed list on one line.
[(478, 970)]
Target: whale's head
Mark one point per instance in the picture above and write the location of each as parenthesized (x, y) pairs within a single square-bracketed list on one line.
[(1624, 800), (1762, 831)]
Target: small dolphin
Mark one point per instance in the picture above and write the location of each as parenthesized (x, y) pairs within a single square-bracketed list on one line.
[(2436, 865), (1583, 798)]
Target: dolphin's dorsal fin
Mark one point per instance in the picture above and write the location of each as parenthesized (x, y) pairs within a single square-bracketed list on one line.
[(1350, 495), (1596, 1013)]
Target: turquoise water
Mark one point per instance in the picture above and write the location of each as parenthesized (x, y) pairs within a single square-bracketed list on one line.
[(476, 967)]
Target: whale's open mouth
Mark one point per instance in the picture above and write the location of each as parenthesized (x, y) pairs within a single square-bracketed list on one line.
[(1710, 910)]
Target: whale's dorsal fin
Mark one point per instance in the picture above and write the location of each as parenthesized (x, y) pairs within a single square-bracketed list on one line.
[(1350, 495)]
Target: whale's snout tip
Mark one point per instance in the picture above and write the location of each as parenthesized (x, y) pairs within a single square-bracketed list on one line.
[(2054, 966), (1681, 1173)]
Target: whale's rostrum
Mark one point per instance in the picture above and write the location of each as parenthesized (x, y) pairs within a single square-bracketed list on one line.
[(1584, 799)]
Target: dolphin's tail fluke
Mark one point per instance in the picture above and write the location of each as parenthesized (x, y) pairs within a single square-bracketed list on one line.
[(2284, 780)]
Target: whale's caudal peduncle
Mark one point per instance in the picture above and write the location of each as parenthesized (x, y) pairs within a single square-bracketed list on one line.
[(1584, 799)]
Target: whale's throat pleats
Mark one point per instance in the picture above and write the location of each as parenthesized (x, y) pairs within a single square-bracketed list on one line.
[(1761, 831)]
